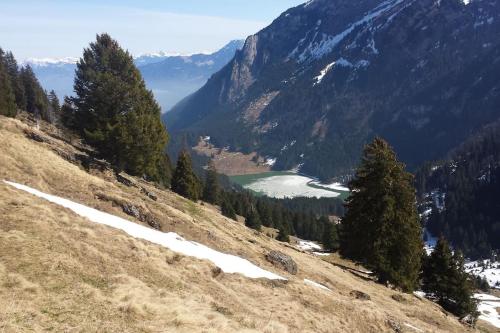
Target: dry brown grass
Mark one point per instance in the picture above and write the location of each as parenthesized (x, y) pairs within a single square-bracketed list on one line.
[(232, 163), (61, 273)]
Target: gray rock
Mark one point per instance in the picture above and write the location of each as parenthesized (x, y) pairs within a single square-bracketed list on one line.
[(132, 211), (396, 326), (360, 295), (149, 194), (125, 181), (142, 216), (283, 261)]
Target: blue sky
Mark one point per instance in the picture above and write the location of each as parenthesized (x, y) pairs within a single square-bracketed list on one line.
[(62, 28)]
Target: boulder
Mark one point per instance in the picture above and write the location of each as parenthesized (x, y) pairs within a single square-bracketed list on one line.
[(142, 216), (360, 295), (149, 194), (132, 210), (283, 261)]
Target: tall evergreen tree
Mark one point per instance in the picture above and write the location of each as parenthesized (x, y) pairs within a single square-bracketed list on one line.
[(445, 279), (211, 189), (184, 180), (253, 219), (227, 209), (36, 98), (54, 108), (15, 80), (283, 234), (68, 117), (330, 235), (7, 98), (116, 113), (381, 227)]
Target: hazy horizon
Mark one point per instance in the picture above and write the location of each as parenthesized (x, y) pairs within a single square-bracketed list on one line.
[(57, 29)]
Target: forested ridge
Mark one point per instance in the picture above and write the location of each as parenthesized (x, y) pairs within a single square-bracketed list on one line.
[(468, 185)]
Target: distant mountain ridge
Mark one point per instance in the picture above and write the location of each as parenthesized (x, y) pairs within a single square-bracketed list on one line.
[(327, 76), (171, 77)]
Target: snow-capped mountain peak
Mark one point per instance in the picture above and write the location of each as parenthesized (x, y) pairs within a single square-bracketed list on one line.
[(44, 62)]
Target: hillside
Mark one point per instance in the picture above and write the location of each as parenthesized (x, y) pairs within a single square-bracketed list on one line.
[(460, 194), (170, 77), (327, 76), (59, 271)]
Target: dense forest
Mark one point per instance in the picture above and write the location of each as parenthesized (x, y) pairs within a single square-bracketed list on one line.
[(463, 194), (20, 90)]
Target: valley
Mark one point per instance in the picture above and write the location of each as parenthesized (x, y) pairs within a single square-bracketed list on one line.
[(338, 170)]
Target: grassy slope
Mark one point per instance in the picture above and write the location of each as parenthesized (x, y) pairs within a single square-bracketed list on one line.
[(58, 272)]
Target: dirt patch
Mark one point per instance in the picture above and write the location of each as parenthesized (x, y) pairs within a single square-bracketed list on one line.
[(232, 163), (253, 111)]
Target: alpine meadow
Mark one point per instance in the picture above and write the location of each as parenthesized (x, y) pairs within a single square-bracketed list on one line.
[(182, 166)]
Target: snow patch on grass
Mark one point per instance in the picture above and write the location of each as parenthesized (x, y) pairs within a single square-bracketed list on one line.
[(413, 327), (308, 245), (226, 262), (487, 308), (322, 254), (316, 284)]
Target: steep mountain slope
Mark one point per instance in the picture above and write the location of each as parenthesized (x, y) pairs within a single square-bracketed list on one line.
[(59, 271), (170, 77), (461, 195), (325, 77)]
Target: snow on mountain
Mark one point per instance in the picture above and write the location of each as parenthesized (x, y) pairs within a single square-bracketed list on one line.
[(45, 62), (485, 269), (323, 72), (319, 48)]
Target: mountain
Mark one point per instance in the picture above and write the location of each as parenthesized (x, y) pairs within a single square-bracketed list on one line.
[(176, 77), (327, 76), (460, 194), (170, 77), (55, 74), (82, 247)]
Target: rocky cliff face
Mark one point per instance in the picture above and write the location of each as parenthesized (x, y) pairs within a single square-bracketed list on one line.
[(327, 76)]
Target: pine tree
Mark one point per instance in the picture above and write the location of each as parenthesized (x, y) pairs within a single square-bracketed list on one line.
[(68, 117), (227, 210), (54, 110), (7, 98), (211, 187), (265, 213), (253, 219), (15, 80), (381, 227), (115, 112), (330, 235), (445, 279), (184, 181), (283, 234), (36, 98)]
